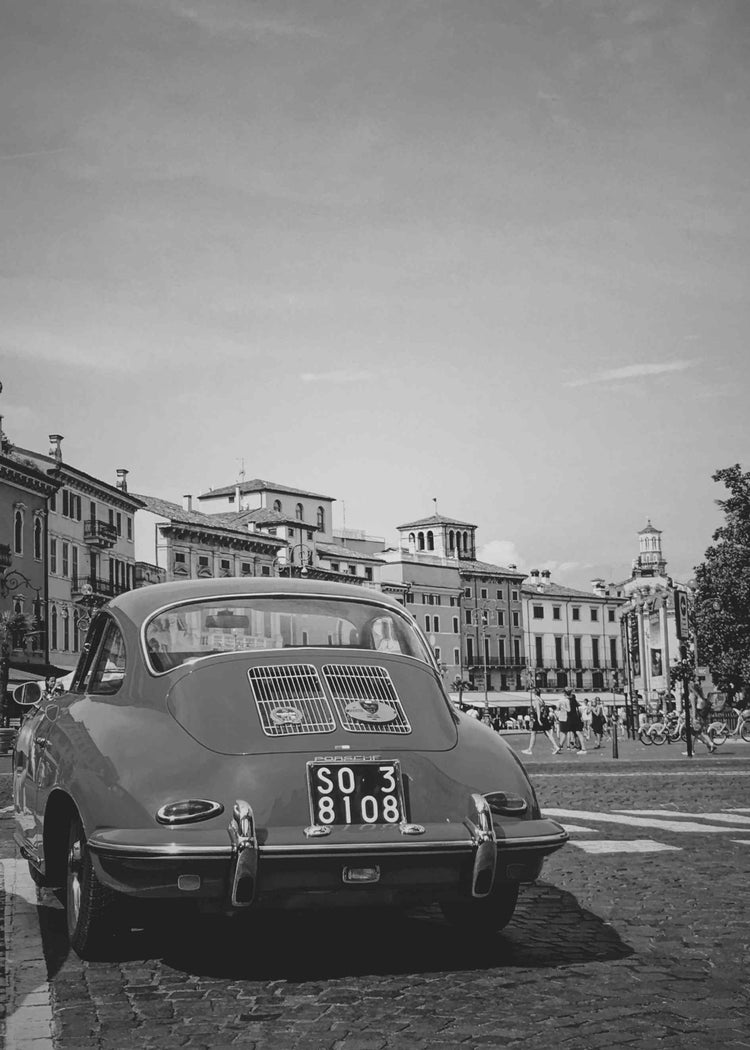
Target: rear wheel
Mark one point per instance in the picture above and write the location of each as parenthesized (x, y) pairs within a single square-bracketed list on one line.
[(717, 733), (91, 909), (36, 876), (484, 914), (745, 729), (644, 737), (659, 736)]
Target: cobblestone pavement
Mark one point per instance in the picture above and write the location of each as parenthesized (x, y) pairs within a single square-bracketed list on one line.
[(610, 949)]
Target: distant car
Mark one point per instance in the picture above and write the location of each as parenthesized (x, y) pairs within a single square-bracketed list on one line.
[(268, 743)]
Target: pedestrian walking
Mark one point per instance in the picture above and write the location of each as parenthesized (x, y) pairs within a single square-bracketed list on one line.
[(586, 716), (598, 721), (574, 725), (540, 718), (700, 711)]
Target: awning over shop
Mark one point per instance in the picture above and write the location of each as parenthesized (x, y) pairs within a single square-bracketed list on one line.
[(26, 671)]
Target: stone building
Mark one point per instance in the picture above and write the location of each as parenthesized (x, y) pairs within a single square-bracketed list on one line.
[(572, 636), (470, 610), (25, 492), (90, 548)]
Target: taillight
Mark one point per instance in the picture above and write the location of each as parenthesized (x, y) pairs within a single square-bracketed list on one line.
[(189, 811), (506, 805)]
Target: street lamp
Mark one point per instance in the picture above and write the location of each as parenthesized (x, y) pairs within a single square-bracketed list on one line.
[(287, 563)]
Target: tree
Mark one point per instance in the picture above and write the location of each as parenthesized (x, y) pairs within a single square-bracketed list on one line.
[(722, 604)]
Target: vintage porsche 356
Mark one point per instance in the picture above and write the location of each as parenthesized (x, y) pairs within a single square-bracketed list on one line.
[(268, 743)]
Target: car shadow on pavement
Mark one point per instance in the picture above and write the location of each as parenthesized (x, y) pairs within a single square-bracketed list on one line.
[(550, 929)]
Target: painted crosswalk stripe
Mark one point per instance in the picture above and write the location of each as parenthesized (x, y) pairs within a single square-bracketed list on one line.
[(680, 826), (728, 818), (580, 827), (741, 842), (625, 846)]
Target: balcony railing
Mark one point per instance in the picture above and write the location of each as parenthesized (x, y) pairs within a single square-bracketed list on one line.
[(100, 588), (572, 664), (99, 533)]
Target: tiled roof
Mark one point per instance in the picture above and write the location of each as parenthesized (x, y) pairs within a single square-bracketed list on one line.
[(258, 485), (649, 528), (262, 516), (179, 515), (436, 519), (556, 590), (486, 569), (337, 550)]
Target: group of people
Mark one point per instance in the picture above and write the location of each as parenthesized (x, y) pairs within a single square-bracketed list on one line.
[(567, 724)]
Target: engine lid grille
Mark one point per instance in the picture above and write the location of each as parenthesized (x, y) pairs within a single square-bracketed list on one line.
[(290, 700), (365, 699)]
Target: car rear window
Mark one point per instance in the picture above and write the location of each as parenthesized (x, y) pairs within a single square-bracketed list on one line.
[(194, 630)]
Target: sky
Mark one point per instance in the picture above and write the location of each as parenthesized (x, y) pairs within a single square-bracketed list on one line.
[(489, 253)]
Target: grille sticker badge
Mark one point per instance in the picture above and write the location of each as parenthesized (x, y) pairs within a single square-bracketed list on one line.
[(371, 711), (284, 716)]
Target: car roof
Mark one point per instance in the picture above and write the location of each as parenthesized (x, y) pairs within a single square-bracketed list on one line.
[(142, 602)]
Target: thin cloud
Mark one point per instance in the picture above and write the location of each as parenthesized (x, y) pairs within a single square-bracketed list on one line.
[(337, 376), (616, 375), (230, 17), (33, 153)]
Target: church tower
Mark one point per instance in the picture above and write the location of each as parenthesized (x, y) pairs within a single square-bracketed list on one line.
[(650, 560)]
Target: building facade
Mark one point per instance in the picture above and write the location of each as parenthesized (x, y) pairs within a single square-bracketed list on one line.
[(469, 610), (650, 629), (306, 509), (174, 542), (90, 549), (25, 492), (573, 637)]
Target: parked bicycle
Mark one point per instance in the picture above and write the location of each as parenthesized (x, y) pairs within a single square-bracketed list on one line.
[(720, 732), (653, 733)]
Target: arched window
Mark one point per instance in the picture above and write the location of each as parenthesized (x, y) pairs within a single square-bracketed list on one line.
[(420, 541), (466, 542), (277, 505), (38, 539), (321, 519), (66, 628), (451, 540), (18, 532), (53, 627), (412, 539), (299, 512), (430, 541)]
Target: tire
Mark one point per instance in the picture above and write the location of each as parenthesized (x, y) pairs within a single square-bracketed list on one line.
[(644, 737), (659, 736), (91, 909), (36, 876), (745, 730), (484, 915)]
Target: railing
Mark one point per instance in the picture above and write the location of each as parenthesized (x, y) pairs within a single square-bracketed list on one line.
[(99, 533), (100, 588), (552, 664)]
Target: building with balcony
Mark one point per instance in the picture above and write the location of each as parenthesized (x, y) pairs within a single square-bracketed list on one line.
[(174, 542), (573, 637), (25, 493), (90, 548), (469, 610)]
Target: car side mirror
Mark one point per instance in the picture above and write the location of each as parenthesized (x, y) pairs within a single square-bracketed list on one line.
[(27, 695)]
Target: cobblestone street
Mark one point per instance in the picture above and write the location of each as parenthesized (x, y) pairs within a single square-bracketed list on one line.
[(637, 935)]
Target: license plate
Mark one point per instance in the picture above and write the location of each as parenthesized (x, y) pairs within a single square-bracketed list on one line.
[(356, 793)]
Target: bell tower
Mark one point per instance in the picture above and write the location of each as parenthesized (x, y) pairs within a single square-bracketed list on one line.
[(650, 560)]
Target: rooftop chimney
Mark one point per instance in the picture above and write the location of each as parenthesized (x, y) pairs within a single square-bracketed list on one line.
[(54, 446), (534, 572), (546, 574), (187, 503), (512, 565), (122, 479)]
